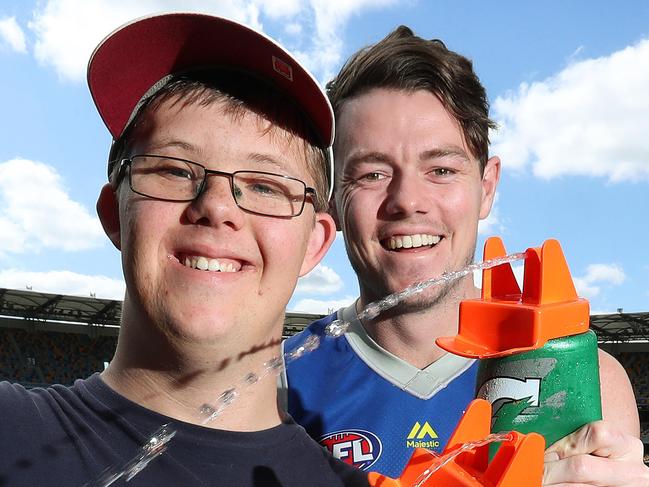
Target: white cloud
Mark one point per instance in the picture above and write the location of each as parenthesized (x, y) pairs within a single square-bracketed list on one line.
[(323, 56), (279, 9), (322, 306), (321, 280), (589, 119), (68, 30), (590, 285), (519, 274), (610, 273), (63, 282), (36, 212), (12, 34), (293, 29)]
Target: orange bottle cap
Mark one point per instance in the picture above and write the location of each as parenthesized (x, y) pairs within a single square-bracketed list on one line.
[(505, 320)]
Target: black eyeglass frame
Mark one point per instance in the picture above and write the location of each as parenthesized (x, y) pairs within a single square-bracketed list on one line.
[(126, 162)]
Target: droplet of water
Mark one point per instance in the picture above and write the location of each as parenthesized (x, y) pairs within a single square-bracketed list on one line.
[(154, 447), (371, 311), (274, 365), (336, 328), (207, 410), (251, 378), (228, 397), (309, 345)]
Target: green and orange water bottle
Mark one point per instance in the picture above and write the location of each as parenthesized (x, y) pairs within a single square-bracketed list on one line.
[(538, 369), (538, 358)]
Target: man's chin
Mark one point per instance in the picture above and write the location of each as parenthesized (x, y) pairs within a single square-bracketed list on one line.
[(195, 331), (429, 298), (421, 303)]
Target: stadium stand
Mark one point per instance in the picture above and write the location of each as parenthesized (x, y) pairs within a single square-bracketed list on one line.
[(55, 339), (49, 338)]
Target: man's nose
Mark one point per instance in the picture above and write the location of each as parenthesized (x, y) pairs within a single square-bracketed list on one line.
[(407, 194), (216, 205)]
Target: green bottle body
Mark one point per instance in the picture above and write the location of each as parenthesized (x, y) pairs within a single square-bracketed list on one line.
[(553, 390)]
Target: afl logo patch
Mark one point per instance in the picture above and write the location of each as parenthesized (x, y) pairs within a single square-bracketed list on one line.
[(359, 448)]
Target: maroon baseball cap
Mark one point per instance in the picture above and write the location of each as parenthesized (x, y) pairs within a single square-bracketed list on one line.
[(136, 60)]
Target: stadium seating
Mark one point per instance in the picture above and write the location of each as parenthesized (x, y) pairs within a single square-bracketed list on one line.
[(45, 357)]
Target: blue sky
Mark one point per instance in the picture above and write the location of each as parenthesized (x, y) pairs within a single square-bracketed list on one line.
[(567, 82)]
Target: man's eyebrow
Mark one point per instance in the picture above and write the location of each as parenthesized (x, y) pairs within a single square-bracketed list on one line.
[(267, 160), (441, 152), (367, 157), (173, 143)]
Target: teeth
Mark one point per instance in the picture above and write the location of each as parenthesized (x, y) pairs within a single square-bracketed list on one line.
[(202, 264), (413, 241), (205, 264)]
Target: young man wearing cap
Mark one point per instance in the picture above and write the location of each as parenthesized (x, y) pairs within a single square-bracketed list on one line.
[(218, 185), (413, 178)]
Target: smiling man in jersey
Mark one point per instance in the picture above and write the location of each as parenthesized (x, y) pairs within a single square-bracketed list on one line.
[(413, 179)]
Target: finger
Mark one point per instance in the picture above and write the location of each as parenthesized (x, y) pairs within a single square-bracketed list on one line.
[(595, 471), (600, 439), (571, 484)]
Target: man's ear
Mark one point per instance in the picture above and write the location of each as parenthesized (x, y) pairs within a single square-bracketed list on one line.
[(490, 178), (321, 238), (108, 211)]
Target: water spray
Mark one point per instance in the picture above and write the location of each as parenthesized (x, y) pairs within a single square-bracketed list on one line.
[(526, 333), (276, 365)]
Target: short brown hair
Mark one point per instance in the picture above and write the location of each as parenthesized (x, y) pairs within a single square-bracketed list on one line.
[(404, 61), (239, 91)]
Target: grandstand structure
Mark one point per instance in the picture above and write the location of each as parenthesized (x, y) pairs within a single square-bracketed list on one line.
[(55, 338), (34, 311)]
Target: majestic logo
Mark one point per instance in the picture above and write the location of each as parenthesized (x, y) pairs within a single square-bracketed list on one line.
[(357, 447), (422, 436)]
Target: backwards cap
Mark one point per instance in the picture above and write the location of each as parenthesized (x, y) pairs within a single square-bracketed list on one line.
[(137, 59)]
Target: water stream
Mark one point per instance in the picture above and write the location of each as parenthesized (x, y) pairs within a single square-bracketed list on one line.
[(158, 442)]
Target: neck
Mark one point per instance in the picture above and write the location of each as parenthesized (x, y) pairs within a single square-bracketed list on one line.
[(177, 379), (410, 333)]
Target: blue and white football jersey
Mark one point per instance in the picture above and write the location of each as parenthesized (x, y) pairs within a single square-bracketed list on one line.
[(367, 406)]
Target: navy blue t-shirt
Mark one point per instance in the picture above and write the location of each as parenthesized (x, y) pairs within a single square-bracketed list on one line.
[(68, 436)]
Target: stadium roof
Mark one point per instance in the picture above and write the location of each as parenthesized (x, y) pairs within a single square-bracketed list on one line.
[(18, 307), (60, 308), (621, 327)]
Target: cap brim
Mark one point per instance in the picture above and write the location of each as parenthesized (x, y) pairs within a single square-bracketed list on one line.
[(137, 55)]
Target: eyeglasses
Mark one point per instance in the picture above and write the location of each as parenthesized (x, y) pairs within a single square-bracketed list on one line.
[(173, 179)]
